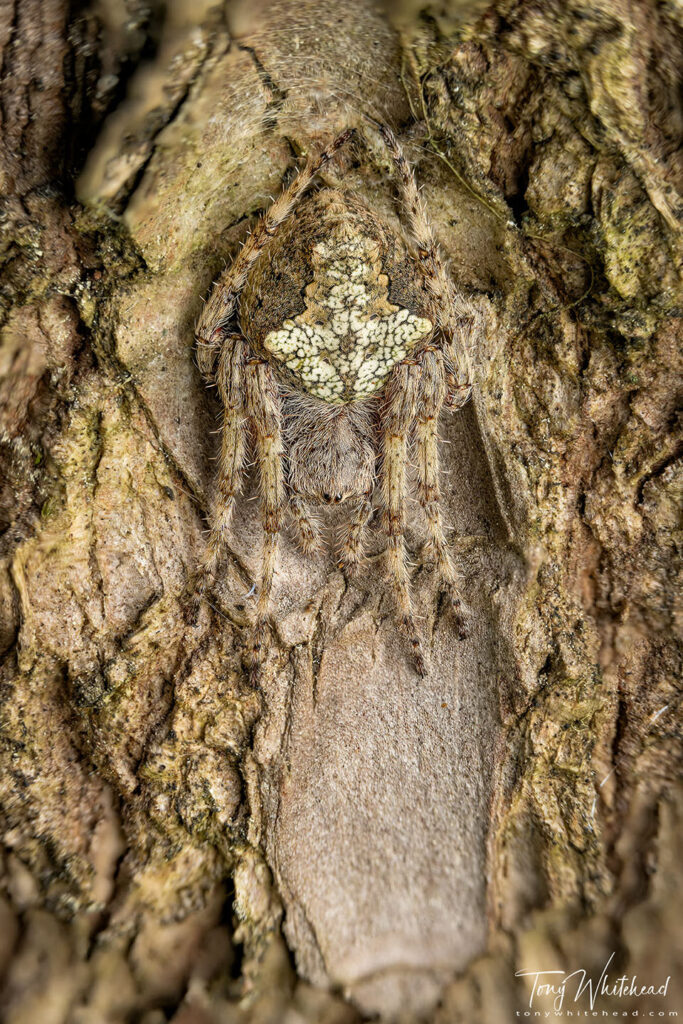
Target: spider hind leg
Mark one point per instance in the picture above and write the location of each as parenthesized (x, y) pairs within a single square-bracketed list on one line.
[(433, 396), (230, 382), (263, 401), (397, 420)]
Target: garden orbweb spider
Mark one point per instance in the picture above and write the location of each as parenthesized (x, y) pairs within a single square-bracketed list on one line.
[(335, 344)]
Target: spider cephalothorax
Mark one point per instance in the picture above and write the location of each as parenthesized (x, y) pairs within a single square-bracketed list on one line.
[(333, 343)]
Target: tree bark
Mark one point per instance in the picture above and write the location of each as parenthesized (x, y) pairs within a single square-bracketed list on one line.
[(347, 839)]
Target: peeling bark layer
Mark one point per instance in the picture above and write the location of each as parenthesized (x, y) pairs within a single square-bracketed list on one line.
[(347, 839)]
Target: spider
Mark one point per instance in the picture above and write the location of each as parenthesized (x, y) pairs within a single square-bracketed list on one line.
[(334, 344)]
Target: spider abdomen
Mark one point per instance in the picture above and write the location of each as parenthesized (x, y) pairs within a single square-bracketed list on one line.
[(337, 303)]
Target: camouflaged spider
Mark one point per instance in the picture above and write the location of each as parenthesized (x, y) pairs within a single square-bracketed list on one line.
[(334, 345)]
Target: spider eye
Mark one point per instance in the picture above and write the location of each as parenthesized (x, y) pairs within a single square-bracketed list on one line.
[(326, 497), (338, 498)]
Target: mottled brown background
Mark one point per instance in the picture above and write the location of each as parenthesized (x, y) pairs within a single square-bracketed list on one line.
[(176, 846)]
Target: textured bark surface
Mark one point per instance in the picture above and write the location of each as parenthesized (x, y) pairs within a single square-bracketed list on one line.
[(348, 839)]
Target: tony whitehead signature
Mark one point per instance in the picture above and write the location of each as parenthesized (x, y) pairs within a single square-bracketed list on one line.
[(578, 984)]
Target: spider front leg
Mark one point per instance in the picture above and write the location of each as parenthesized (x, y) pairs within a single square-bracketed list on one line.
[(220, 304), (263, 402), (449, 309), (398, 417), (420, 229)]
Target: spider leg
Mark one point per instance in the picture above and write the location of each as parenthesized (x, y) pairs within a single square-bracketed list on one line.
[(449, 308), (420, 229), (352, 551), (306, 526), (230, 381), (432, 396), (398, 417), (221, 302), (263, 403)]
